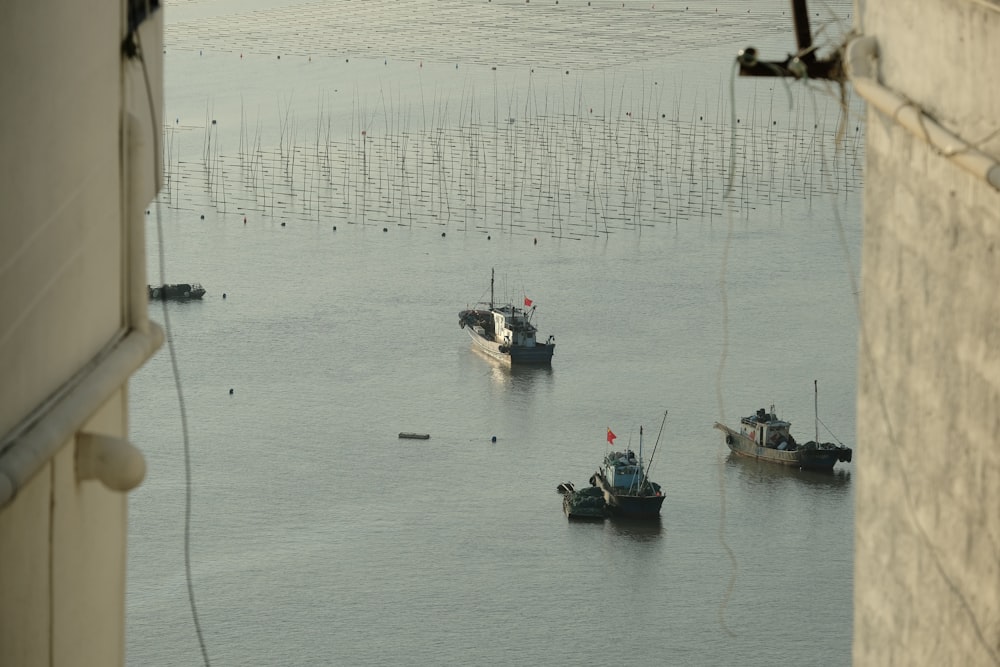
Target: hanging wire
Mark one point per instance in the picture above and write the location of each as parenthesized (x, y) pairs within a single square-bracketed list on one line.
[(173, 363)]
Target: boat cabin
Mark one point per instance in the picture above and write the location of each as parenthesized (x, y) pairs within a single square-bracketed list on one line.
[(512, 327), (623, 469), (765, 429)]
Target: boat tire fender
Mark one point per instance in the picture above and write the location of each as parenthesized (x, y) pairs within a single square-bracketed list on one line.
[(729, 439)]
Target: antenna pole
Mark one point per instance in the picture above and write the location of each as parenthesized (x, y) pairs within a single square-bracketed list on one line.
[(657, 444), (642, 468), (816, 408)]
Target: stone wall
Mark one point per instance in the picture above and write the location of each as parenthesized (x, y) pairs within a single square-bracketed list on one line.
[(927, 541)]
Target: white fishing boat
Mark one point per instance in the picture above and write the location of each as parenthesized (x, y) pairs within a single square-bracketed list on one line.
[(506, 332)]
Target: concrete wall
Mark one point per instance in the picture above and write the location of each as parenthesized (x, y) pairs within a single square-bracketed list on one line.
[(927, 559)]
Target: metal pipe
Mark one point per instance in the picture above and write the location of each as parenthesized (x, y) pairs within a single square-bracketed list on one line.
[(861, 55), (35, 441), (59, 420), (803, 35)]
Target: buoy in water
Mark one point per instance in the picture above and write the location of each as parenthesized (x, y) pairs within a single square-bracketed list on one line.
[(230, 391), (493, 439)]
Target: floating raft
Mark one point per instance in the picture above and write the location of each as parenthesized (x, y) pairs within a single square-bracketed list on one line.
[(415, 436)]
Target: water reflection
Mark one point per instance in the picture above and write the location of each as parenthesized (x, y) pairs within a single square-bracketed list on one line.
[(763, 473), (518, 378), (640, 530)]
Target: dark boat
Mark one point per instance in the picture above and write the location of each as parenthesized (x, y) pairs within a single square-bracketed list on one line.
[(176, 292), (586, 503), (765, 437), (414, 436), (505, 332), (628, 491)]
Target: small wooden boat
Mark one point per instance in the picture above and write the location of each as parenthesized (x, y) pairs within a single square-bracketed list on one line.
[(586, 503), (415, 436), (175, 292)]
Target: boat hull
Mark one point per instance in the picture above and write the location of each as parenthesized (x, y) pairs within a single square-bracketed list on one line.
[(539, 354), (817, 458), (586, 504), (178, 292), (620, 503)]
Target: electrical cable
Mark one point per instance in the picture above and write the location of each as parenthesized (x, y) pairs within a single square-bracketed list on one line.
[(140, 55)]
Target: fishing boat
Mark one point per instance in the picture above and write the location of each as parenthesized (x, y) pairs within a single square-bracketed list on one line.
[(586, 503), (406, 435), (505, 332), (178, 291), (622, 477), (765, 437)]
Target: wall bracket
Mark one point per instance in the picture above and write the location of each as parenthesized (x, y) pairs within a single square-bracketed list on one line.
[(802, 65)]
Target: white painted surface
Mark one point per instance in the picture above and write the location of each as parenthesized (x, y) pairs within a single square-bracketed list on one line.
[(70, 205)]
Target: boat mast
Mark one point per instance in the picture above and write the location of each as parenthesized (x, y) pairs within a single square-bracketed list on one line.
[(492, 273), (816, 408), (657, 443), (642, 468)]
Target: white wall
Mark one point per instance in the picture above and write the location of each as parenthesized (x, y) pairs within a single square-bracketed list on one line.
[(77, 168)]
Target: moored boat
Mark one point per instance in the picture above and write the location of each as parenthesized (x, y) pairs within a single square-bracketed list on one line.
[(586, 503), (506, 332), (765, 437), (178, 291), (622, 477), (414, 436)]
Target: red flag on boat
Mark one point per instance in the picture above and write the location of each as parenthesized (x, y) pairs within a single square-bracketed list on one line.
[(611, 437), (527, 302)]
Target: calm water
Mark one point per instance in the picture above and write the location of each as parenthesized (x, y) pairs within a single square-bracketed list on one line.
[(320, 538)]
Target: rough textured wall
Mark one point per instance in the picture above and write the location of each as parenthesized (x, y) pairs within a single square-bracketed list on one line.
[(927, 547)]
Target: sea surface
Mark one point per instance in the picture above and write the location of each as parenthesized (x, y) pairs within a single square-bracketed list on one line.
[(343, 177)]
